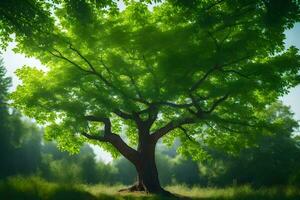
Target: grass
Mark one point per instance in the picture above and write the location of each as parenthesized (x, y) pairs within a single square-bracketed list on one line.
[(235, 193), (34, 188)]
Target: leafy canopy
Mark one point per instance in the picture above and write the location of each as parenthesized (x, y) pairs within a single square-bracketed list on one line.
[(204, 70)]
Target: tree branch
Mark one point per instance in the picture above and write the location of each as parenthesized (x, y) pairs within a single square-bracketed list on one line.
[(234, 122), (135, 87), (214, 40), (201, 80), (106, 121), (178, 123), (212, 5), (129, 76), (171, 126), (186, 134), (118, 143), (153, 112), (83, 57), (112, 138), (123, 114), (174, 105), (217, 67), (95, 137), (235, 61), (94, 72), (68, 60), (216, 103), (235, 72)]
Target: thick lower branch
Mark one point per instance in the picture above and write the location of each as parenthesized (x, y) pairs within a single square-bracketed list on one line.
[(128, 152), (114, 139)]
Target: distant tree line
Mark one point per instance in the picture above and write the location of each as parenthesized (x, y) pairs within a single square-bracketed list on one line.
[(268, 160)]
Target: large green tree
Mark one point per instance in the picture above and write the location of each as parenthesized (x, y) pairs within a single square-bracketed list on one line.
[(202, 71)]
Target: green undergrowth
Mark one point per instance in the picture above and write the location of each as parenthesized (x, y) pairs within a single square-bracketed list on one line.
[(35, 188)]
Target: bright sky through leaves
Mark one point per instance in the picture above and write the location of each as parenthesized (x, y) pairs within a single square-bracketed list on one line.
[(293, 98)]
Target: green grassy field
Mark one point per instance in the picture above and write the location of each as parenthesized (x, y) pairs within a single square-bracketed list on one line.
[(18, 188)]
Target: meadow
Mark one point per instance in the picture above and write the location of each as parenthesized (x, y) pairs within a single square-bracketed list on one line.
[(35, 188)]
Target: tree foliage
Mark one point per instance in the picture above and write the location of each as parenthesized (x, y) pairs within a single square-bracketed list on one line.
[(201, 70)]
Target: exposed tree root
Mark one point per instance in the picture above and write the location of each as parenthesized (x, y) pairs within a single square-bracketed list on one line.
[(135, 188), (141, 188)]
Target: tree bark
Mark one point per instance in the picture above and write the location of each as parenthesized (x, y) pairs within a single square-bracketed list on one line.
[(147, 170), (147, 174)]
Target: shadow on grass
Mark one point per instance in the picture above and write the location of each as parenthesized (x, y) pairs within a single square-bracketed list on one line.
[(18, 188), (10, 193)]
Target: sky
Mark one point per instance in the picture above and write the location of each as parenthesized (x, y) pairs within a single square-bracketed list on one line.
[(293, 98), (14, 61)]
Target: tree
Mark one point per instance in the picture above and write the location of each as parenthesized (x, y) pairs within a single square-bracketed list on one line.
[(5, 146), (202, 71), (82, 166), (272, 159), (20, 139)]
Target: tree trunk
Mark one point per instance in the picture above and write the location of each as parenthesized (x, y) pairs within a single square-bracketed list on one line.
[(145, 165), (147, 174)]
